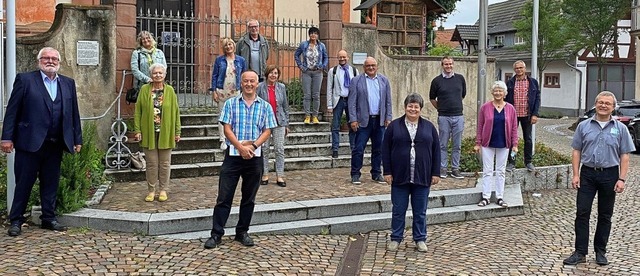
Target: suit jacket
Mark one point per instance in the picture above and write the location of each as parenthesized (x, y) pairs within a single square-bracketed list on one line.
[(337, 81), (533, 97), (359, 100), (28, 115), (282, 102)]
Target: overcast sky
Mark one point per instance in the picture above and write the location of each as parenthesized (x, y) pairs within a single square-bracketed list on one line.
[(466, 13)]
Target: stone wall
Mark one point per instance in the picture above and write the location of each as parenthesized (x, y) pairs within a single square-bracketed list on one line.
[(94, 84), (409, 74), (551, 177)]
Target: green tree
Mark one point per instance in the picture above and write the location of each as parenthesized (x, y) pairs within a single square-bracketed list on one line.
[(595, 24), (553, 32)]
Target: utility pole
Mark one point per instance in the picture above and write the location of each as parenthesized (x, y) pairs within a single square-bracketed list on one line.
[(482, 54), (534, 60), (10, 63)]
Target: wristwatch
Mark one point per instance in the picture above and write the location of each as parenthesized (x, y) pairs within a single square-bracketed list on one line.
[(254, 146), (622, 179)]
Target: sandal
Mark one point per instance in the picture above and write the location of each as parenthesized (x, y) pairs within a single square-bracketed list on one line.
[(501, 203), (483, 202), (150, 197), (163, 197)]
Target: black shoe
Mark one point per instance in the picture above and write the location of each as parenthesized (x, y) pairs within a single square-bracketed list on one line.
[(281, 183), (355, 180), (264, 182), (379, 179), (601, 259), (15, 230), (334, 154), (244, 239), (53, 225), (574, 259), (212, 242)]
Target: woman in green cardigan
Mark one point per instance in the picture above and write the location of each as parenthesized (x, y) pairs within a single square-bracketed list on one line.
[(157, 127)]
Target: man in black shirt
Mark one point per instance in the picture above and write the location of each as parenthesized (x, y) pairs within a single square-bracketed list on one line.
[(446, 94)]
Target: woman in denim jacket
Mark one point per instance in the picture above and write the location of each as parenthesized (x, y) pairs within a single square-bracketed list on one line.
[(143, 56), (311, 57), (274, 92), (225, 80)]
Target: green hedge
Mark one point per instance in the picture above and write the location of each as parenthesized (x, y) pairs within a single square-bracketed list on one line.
[(78, 174), (544, 156)]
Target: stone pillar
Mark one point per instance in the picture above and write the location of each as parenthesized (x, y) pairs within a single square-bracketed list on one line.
[(126, 42), (330, 16)]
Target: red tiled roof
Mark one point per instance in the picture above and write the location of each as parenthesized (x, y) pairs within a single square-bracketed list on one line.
[(444, 38)]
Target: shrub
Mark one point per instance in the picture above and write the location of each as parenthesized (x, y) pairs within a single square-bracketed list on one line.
[(294, 93), (443, 50), (544, 156)]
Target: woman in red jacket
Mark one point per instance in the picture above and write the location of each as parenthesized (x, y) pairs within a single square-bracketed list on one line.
[(497, 133)]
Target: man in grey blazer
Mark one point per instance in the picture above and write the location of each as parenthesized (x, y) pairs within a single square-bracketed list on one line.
[(338, 82), (369, 114)]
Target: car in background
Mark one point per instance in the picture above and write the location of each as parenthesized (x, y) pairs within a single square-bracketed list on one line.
[(625, 112), (634, 129)]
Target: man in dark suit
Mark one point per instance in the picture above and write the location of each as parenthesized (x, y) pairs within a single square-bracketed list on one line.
[(369, 104), (41, 121)]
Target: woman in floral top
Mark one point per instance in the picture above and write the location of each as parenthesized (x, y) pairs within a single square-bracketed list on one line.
[(225, 79), (157, 127)]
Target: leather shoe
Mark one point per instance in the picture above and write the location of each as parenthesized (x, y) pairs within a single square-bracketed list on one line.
[(244, 239), (601, 259), (15, 230), (574, 259), (212, 242), (53, 225)]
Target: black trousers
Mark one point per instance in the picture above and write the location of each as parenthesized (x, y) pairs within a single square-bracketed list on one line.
[(525, 123), (43, 164), (234, 167), (594, 182)]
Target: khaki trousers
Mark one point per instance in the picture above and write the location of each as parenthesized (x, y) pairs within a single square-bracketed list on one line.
[(158, 168)]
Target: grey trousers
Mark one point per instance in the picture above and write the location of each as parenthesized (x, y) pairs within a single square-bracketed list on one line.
[(311, 83), (277, 138)]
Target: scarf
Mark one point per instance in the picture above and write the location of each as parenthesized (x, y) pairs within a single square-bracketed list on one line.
[(347, 78)]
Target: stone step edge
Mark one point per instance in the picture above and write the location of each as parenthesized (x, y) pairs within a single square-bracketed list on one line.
[(183, 221), (363, 223)]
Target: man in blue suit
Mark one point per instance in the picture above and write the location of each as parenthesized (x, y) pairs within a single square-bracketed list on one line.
[(369, 104), (41, 121)]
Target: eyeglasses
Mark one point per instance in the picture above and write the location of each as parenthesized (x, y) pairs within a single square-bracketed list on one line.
[(604, 103), (54, 59), (370, 65)]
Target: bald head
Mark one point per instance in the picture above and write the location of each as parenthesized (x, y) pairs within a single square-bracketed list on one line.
[(343, 57)]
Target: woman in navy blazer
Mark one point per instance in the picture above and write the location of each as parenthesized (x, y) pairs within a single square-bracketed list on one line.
[(411, 162), (274, 92)]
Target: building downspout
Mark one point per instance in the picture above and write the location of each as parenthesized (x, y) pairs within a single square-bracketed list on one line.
[(580, 109)]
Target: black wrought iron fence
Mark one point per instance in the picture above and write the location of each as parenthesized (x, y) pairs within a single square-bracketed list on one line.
[(191, 43)]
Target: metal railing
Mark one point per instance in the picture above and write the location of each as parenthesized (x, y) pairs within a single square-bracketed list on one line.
[(191, 43), (117, 155)]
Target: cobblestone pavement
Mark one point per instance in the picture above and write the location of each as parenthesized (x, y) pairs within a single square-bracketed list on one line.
[(200, 193), (532, 244)]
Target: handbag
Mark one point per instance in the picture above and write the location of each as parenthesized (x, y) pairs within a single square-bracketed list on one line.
[(137, 161), (132, 93)]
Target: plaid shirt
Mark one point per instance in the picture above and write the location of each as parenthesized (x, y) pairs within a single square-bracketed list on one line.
[(521, 97), (247, 122)]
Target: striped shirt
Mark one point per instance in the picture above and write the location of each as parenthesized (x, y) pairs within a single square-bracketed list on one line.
[(521, 97), (247, 122)]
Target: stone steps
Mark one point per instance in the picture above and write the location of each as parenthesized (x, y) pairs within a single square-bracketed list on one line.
[(326, 216)]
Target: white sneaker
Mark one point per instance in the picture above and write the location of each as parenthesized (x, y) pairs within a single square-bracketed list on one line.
[(421, 246), (223, 145), (393, 245)]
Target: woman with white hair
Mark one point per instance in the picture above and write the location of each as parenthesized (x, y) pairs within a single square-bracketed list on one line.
[(497, 132)]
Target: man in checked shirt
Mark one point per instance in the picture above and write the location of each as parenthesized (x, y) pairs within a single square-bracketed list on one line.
[(523, 92)]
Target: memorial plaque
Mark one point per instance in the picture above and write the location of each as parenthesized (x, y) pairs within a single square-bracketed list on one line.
[(88, 52)]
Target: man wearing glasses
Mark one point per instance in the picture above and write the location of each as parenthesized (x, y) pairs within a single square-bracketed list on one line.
[(602, 144), (254, 48), (41, 121)]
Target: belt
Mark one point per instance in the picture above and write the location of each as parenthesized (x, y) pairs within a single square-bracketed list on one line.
[(374, 116), (599, 169)]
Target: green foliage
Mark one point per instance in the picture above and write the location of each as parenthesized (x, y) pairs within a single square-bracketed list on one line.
[(443, 50), (554, 33), (544, 156), (594, 21), (79, 172), (294, 93)]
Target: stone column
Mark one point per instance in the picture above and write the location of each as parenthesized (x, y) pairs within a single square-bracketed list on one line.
[(126, 42), (330, 15)]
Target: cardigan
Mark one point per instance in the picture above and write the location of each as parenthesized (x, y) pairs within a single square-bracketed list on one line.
[(282, 102), (485, 125), (396, 148), (143, 118)]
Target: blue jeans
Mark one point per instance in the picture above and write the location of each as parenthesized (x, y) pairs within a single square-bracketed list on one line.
[(234, 167), (594, 182), (376, 133), (335, 125), (450, 127), (419, 201), (311, 83)]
